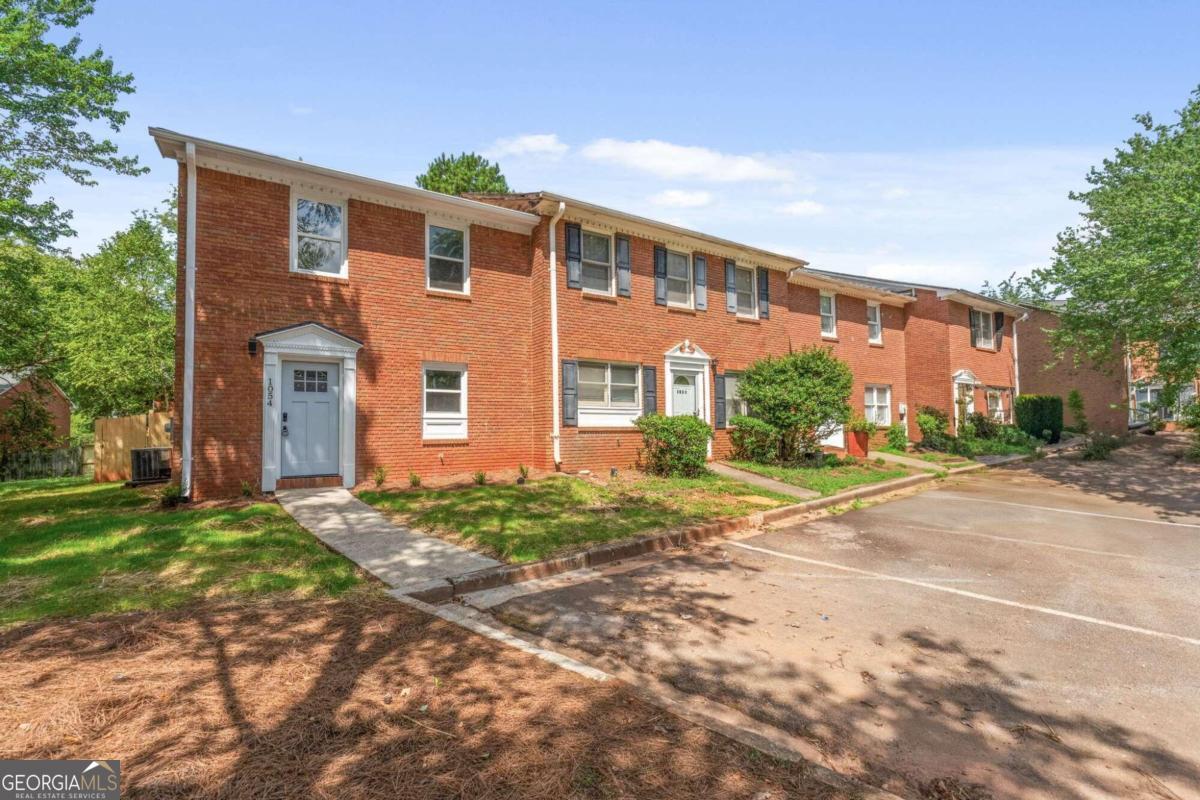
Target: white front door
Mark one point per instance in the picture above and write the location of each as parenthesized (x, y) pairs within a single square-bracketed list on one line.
[(684, 401), (310, 420)]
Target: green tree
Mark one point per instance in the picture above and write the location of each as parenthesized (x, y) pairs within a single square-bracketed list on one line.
[(26, 424), (1026, 291), (114, 322), (26, 344), (1130, 271), (463, 173), (46, 91), (805, 395)]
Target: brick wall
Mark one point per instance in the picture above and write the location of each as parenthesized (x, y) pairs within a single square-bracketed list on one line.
[(1104, 389), (50, 397)]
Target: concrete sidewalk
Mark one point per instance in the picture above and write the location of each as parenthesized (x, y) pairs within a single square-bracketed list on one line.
[(396, 555), (762, 482)]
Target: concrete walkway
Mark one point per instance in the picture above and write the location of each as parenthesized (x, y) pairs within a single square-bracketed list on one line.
[(396, 555), (910, 461), (762, 482)]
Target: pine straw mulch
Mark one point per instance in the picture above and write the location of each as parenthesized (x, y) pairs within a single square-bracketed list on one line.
[(355, 697)]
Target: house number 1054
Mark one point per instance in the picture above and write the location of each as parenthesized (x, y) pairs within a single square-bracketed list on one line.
[(270, 392)]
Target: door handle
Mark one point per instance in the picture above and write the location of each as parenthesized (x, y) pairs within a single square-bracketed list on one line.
[(285, 431)]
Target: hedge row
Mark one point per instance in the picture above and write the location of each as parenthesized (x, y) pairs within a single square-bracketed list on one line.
[(1038, 413)]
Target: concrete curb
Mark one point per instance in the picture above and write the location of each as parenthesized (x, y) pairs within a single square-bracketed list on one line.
[(442, 591)]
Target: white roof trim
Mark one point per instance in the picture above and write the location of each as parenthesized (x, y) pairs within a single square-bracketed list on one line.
[(803, 277), (309, 338), (966, 376), (686, 350), (978, 301), (254, 164)]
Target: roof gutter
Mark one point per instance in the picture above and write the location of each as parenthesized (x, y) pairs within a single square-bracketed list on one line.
[(189, 323), (555, 393)]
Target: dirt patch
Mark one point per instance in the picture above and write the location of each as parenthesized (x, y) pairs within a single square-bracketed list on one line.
[(359, 697)]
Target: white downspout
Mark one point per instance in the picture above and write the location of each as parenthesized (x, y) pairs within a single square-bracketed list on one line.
[(1016, 358), (189, 324), (555, 392)]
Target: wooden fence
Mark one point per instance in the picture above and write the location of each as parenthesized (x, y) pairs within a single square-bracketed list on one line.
[(61, 463), (117, 436)]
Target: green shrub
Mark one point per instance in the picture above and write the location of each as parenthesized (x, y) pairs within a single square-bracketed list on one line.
[(1099, 446), (676, 446), (932, 423), (897, 437), (480, 477), (805, 395), (985, 427), (1078, 416), (1040, 415), (170, 495), (247, 489), (414, 480), (380, 476), (753, 439), (859, 424)]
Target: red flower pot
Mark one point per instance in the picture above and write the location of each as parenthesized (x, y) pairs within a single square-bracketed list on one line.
[(858, 443)]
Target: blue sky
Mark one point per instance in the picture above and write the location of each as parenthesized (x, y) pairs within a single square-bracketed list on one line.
[(933, 141)]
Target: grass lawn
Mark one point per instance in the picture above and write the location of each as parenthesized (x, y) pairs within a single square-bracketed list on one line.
[(828, 479), (69, 547), (559, 514)]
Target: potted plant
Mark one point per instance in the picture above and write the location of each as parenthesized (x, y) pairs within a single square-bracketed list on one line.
[(858, 436)]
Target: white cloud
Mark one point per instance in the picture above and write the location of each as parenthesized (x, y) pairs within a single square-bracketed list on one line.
[(676, 161), (682, 198), (530, 144), (802, 208)]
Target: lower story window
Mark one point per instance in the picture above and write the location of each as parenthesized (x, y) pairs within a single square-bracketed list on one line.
[(444, 401), (877, 404), (609, 394), (995, 401), (734, 403)]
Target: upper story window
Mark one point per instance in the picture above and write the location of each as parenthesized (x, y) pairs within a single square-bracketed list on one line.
[(874, 324), (608, 385), (679, 279), (597, 262), (447, 262), (828, 315), (318, 235), (747, 296), (983, 332)]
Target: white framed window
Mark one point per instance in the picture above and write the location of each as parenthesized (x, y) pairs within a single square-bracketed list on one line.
[(982, 327), (877, 404), (607, 385), (995, 403), (318, 234), (874, 323), (679, 280), (447, 257), (734, 404), (597, 268), (745, 284), (444, 401), (828, 315)]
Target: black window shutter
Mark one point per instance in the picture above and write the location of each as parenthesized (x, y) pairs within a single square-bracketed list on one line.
[(649, 390), (730, 286), (764, 293), (574, 256), (974, 326), (624, 268), (719, 401), (660, 276), (570, 393), (700, 279), (998, 320)]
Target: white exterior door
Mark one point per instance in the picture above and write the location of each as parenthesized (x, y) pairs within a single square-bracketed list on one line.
[(310, 418), (684, 400)]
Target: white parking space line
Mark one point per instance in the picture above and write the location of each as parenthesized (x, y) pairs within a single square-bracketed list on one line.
[(973, 595), (1036, 543), (971, 499)]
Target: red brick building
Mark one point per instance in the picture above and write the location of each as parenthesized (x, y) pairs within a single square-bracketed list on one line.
[(1146, 389), (48, 394), (330, 324)]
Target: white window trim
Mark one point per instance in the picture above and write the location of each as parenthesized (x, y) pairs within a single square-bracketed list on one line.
[(612, 263), (879, 320), (689, 259), (607, 415), (466, 232), (444, 425), (294, 249), (729, 398), (753, 313), (989, 342), (832, 313), (876, 388), (999, 414)]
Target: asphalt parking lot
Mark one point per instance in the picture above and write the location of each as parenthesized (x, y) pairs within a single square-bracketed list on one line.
[(1033, 630)]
